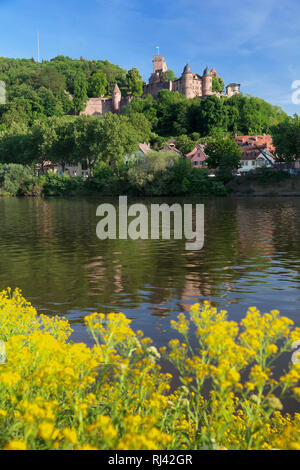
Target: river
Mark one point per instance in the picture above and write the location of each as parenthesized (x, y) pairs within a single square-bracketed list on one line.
[(251, 256)]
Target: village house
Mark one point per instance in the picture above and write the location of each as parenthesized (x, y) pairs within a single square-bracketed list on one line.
[(198, 156), (258, 151), (142, 150), (170, 147), (80, 169)]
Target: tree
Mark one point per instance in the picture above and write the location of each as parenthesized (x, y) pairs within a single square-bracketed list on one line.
[(62, 149), (169, 76), (15, 116), (223, 154), (218, 84), (41, 137), (118, 139), (98, 84), (145, 105), (51, 107), (141, 126), (87, 140), (50, 77), (80, 93), (134, 82), (184, 144), (286, 138)]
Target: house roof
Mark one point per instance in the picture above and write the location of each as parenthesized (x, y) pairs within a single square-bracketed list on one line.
[(253, 145), (144, 148), (197, 153), (170, 148)]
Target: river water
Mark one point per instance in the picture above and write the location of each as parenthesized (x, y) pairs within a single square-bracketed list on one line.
[(251, 256)]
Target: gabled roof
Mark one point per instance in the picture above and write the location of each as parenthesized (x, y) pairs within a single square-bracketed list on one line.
[(198, 149), (254, 145), (170, 148), (144, 148), (255, 141)]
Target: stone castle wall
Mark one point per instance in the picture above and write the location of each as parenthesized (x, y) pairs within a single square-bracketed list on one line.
[(98, 106), (189, 84), (101, 106)]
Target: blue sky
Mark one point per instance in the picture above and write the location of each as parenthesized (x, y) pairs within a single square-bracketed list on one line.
[(252, 42)]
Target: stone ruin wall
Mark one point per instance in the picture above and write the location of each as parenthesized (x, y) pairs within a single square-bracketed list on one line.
[(98, 106)]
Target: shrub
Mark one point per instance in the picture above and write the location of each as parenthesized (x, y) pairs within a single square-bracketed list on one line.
[(62, 185), (11, 178), (55, 394), (267, 175)]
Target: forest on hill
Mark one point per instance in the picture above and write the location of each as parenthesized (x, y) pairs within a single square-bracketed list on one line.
[(58, 87), (40, 122), (62, 85)]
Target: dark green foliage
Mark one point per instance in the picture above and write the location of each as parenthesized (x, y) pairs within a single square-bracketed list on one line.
[(224, 155), (62, 185), (80, 96), (267, 176), (169, 76), (218, 84), (44, 89), (134, 82), (16, 180), (98, 84), (184, 144), (172, 114), (286, 138)]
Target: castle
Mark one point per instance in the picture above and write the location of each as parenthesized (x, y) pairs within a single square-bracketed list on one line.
[(189, 84), (101, 105)]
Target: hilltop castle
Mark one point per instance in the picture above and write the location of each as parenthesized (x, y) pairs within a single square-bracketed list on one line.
[(189, 84), (101, 105)]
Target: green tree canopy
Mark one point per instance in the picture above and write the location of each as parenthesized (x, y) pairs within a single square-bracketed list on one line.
[(98, 84), (80, 96), (223, 154), (218, 84), (134, 82), (286, 138), (184, 144)]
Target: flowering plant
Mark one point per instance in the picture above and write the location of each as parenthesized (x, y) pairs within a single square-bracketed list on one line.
[(55, 394)]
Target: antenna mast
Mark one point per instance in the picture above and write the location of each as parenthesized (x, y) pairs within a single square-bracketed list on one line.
[(38, 45)]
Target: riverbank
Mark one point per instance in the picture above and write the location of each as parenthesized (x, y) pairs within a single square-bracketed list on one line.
[(180, 179), (269, 184), (55, 394)]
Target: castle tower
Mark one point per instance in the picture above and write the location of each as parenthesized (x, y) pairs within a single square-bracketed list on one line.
[(187, 82), (116, 99), (159, 64), (206, 82)]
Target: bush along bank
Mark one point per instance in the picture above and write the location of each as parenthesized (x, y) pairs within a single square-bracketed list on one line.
[(55, 394), (178, 179)]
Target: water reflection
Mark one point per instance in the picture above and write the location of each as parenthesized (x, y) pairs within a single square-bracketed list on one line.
[(251, 256)]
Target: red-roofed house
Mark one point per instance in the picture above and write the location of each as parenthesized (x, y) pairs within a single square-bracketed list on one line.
[(198, 157), (257, 151)]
